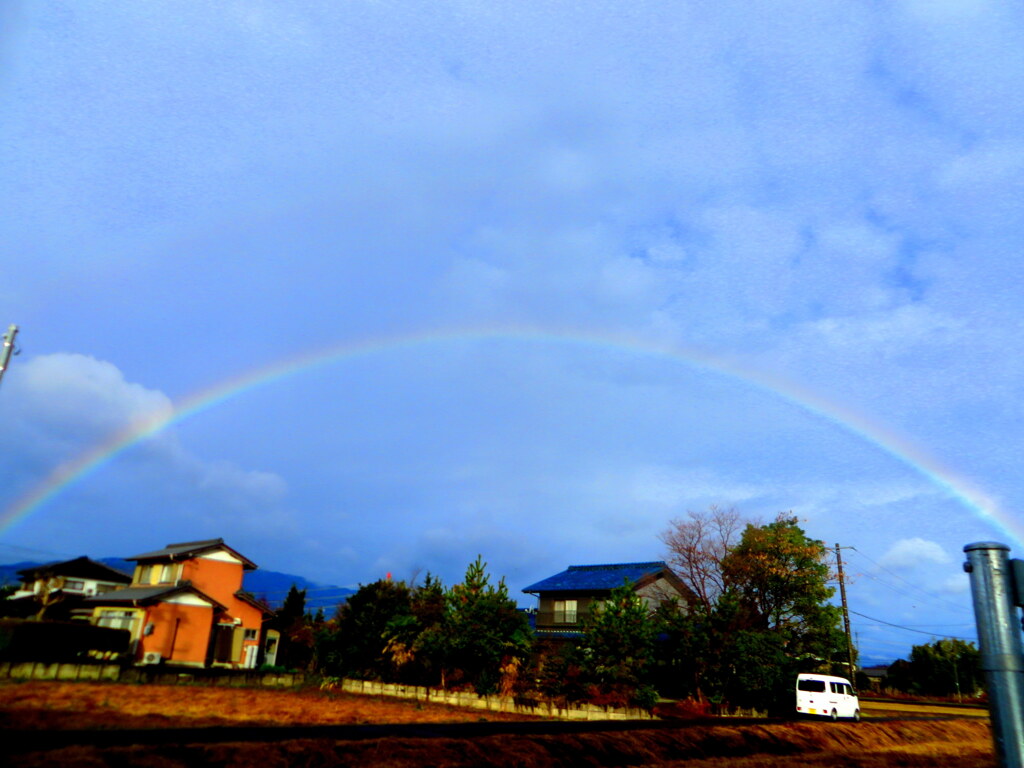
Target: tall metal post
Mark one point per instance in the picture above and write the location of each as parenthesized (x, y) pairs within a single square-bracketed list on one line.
[(846, 618), (7, 349), (1002, 656)]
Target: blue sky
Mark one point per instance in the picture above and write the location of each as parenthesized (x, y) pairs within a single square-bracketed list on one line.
[(823, 194)]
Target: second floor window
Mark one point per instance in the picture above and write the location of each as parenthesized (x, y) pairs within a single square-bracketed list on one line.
[(169, 573), (565, 611)]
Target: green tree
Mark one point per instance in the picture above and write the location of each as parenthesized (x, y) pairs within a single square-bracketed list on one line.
[(616, 652), (486, 637), (760, 611), (947, 667), (296, 645), (355, 646), (682, 650)]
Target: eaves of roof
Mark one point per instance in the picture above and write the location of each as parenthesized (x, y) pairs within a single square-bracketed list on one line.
[(149, 595), (254, 602)]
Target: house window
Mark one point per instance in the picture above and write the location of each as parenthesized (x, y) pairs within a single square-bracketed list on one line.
[(250, 634), (116, 619), (565, 611), (169, 573), (74, 586), (144, 575)]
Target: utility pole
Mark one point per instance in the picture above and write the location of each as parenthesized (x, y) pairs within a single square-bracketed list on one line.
[(8, 349), (846, 618)]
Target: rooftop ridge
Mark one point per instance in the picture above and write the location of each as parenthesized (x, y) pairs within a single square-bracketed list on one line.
[(615, 566), (195, 543)]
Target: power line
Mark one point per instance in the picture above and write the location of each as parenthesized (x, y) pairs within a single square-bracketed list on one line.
[(21, 548), (925, 592), (910, 629)]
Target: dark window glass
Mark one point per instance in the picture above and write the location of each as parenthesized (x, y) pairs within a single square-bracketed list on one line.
[(811, 686)]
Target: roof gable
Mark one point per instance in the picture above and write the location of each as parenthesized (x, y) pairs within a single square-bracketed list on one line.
[(601, 578), (187, 550), (79, 568)]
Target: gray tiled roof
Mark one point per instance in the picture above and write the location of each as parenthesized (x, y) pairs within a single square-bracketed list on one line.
[(185, 549), (154, 594), (593, 578), (132, 594), (80, 568)]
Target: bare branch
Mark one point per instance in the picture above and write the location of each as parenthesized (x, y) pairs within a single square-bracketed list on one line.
[(697, 545)]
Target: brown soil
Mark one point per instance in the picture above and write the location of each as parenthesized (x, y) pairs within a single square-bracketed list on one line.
[(961, 743)]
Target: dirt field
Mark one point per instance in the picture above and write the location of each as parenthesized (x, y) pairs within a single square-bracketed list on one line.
[(874, 708), (41, 707), (52, 705)]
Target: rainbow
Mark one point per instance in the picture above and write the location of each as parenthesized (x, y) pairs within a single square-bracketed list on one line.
[(852, 422)]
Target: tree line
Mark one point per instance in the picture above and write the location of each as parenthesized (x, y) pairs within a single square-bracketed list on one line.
[(756, 612), (948, 668)]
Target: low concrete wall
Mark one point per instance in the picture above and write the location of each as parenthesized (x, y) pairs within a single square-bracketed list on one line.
[(493, 703), (29, 670), (35, 670), (162, 675)]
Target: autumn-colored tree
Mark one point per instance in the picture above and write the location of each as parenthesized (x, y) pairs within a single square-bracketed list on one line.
[(49, 593), (780, 577), (416, 640)]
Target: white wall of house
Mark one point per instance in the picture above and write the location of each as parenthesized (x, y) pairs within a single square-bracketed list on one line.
[(68, 584)]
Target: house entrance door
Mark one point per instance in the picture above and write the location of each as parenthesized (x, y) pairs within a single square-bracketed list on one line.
[(222, 641)]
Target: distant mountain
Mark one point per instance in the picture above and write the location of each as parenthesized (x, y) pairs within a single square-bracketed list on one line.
[(271, 586), (9, 572)]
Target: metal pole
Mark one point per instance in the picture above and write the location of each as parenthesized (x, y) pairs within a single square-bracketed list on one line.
[(846, 619), (7, 349), (1002, 656)]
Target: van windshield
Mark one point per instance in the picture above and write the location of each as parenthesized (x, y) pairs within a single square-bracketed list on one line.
[(813, 686)]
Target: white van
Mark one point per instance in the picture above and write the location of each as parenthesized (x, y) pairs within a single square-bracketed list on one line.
[(826, 696)]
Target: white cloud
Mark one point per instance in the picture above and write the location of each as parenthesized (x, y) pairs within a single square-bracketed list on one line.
[(70, 406), (80, 396), (914, 552)]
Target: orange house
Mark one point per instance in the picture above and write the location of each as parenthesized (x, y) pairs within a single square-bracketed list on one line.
[(186, 606)]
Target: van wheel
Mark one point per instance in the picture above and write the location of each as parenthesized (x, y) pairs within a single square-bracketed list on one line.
[(834, 715), (856, 716)]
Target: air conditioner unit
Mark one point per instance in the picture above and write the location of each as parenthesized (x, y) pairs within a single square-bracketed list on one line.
[(152, 657)]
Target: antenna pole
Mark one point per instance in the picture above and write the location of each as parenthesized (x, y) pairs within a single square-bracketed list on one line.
[(7, 349)]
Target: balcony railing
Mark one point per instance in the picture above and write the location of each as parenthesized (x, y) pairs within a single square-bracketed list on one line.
[(568, 620)]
